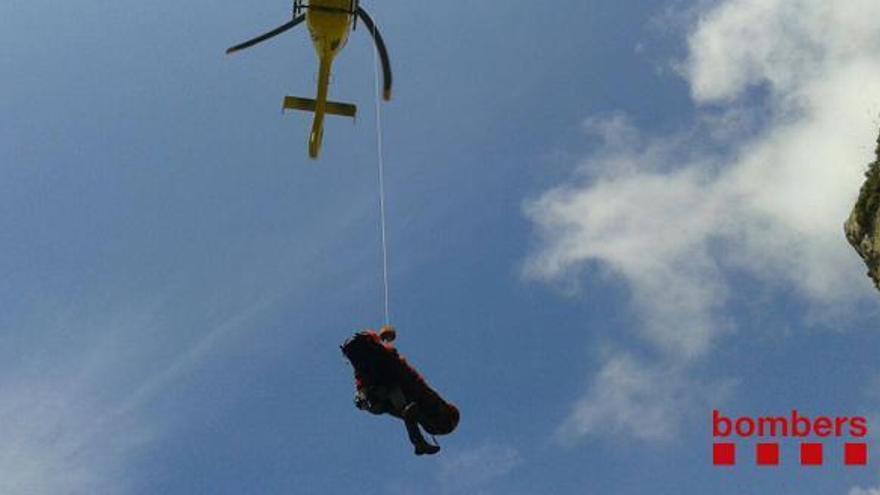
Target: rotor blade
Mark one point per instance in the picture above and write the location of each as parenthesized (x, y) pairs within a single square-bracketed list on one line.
[(263, 37), (380, 46)]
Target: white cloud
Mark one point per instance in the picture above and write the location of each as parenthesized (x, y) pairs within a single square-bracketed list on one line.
[(71, 415), (630, 397), (674, 218), (479, 465), (786, 44), (649, 227), (627, 397), (864, 491), (50, 442)]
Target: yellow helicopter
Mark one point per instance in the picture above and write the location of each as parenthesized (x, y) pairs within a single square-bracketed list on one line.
[(329, 22)]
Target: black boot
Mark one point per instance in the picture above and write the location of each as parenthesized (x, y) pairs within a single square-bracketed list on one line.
[(426, 448)]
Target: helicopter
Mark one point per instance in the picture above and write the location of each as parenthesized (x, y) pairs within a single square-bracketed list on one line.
[(329, 23)]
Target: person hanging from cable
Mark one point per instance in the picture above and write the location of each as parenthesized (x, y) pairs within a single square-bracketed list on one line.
[(386, 384)]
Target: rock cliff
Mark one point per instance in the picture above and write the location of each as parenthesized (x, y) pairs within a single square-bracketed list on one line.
[(863, 226)]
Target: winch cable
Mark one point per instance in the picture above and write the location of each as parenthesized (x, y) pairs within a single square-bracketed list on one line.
[(383, 226)]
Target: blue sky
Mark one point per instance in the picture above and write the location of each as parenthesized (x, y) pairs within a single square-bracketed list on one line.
[(605, 219)]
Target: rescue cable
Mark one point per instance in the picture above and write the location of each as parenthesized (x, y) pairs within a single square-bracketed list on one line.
[(381, 174)]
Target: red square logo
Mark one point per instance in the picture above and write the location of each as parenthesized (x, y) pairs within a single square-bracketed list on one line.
[(855, 454), (724, 454), (811, 454), (767, 454)]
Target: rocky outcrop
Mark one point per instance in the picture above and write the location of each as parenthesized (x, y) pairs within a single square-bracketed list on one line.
[(863, 226)]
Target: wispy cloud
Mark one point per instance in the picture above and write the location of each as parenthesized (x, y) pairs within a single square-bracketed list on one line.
[(188, 358), (864, 491), (632, 397), (478, 466), (68, 423), (53, 441), (44, 450), (760, 185)]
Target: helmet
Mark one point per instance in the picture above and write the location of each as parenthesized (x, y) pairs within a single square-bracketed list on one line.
[(387, 333)]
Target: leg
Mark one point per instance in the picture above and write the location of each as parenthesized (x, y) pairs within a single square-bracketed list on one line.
[(409, 412), (415, 434)]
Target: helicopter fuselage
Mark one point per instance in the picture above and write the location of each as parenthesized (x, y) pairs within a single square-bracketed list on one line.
[(329, 22)]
